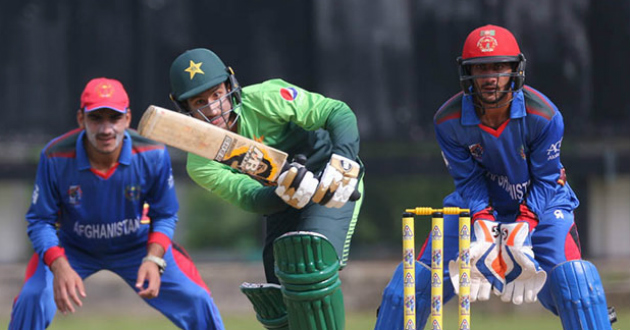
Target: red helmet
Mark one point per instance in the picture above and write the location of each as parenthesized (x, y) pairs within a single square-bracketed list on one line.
[(491, 44)]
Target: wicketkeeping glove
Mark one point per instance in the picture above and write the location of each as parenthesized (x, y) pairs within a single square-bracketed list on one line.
[(338, 181), (296, 185), (486, 271), (523, 275)]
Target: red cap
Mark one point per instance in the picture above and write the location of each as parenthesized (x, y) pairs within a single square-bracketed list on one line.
[(104, 93), (490, 41)]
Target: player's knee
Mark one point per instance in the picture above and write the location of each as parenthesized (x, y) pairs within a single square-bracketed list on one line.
[(579, 296), (36, 292), (307, 266)]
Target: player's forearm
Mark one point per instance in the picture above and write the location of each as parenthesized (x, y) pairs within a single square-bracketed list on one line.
[(43, 236), (236, 188), (155, 249), (344, 132)]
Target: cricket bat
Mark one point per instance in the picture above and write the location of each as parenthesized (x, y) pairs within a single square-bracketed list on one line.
[(195, 136)]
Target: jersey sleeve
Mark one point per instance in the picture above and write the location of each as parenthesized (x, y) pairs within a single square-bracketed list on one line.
[(234, 187), (161, 195), (468, 175), (313, 111), (545, 166), (43, 213)]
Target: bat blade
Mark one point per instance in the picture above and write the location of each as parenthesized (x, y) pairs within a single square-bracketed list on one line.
[(203, 139)]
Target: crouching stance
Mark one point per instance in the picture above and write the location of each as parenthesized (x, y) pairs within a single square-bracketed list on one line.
[(313, 195), (88, 214), (501, 141)]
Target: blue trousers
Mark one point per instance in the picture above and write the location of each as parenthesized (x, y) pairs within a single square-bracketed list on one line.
[(183, 298)]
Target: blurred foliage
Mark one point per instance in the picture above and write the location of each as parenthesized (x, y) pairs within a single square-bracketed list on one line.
[(386, 198), (219, 229), (210, 223)]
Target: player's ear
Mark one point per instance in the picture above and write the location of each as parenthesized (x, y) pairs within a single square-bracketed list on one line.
[(128, 116), (80, 117)]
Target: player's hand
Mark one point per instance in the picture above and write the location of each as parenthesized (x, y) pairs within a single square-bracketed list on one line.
[(338, 181), (485, 214), (525, 214), (67, 286), (523, 275), (296, 185), (486, 270), (149, 274)]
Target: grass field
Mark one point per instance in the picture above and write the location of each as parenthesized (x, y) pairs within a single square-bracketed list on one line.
[(354, 321)]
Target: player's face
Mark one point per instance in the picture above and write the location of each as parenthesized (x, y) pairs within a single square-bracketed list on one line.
[(494, 84), (104, 129), (213, 105)]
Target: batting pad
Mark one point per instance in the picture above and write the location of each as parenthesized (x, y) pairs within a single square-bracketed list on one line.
[(579, 296), (268, 304), (307, 266)]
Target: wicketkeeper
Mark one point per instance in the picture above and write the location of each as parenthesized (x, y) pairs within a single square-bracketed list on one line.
[(501, 143)]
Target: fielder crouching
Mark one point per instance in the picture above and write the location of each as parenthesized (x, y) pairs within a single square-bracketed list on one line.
[(91, 191)]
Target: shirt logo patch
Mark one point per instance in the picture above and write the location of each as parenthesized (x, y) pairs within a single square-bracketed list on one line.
[(288, 93), (74, 195), (476, 150), (522, 153), (35, 196), (554, 150), (132, 192)]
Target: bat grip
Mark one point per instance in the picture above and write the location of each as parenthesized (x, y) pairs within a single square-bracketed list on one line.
[(301, 159)]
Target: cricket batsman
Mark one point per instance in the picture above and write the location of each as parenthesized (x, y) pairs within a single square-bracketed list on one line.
[(309, 217)]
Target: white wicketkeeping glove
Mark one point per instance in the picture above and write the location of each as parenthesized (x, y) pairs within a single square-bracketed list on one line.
[(338, 182), (486, 270), (523, 274), (296, 185)]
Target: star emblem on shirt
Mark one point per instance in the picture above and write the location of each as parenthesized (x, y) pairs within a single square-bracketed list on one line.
[(194, 68)]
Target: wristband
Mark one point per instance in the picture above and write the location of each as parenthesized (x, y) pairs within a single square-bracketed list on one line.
[(161, 263)]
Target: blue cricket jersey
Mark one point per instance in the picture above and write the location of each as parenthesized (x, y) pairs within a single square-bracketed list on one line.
[(76, 207), (518, 161)]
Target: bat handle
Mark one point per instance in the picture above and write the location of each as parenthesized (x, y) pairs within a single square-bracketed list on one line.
[(301, 159), (355, 196)]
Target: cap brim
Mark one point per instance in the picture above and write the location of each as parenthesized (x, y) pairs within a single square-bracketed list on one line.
[(201, 88), (98, 107)]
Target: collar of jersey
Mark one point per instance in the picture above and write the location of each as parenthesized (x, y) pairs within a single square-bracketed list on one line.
[(83, 163), (469, 116)]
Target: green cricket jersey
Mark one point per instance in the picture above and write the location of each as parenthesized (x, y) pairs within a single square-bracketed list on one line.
[(289, 118)]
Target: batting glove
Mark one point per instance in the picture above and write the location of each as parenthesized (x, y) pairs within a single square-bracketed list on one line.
[(296, 185), (338, 181), (523, 275)]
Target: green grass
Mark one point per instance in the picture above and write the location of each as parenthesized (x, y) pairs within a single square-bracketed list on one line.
[(354, 321)]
